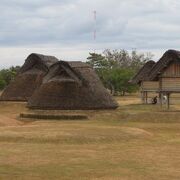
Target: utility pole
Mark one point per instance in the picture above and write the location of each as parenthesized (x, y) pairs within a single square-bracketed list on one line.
[(94, 33)]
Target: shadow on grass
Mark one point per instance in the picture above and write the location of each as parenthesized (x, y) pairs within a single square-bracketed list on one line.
[(53, 116)]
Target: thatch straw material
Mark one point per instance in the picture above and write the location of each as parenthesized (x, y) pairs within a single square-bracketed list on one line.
[(170, 56), (143, 73), (28, 78), (71, 86)]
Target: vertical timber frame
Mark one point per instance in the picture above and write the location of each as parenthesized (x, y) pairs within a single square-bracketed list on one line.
[(142, 92), (146, 94), (142, 96), (168, 100), (160, 91)]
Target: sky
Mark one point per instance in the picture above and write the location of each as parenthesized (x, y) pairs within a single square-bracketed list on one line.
[(64, 28)]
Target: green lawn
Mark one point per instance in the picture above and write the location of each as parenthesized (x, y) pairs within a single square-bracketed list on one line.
[(134, 142)]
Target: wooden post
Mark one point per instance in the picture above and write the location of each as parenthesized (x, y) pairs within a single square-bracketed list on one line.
[(146, 97), (168, 100), (160, 91), (160, 99), (142, 96)]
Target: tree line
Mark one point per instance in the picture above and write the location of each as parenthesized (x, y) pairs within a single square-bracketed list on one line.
[(116, 67), (6, 75)]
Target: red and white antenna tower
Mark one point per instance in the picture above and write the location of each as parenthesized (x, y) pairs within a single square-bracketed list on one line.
[(94, 33)]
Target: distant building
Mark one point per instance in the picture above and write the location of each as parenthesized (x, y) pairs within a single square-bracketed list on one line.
[(71, 86), (28, 78), (163, 77), (142, 79)]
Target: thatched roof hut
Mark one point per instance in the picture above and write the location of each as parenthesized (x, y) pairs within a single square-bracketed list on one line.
[(168, 58), (28, 78), (167, 73), (143, 73), (71, 86)]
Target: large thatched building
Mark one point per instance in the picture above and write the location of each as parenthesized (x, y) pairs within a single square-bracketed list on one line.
[(167, 68), (162, 77), (71, 85), (28, 78), (167, 73)]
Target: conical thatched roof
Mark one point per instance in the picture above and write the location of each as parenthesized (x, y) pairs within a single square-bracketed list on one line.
[(143, 73), (28, 78), (71, 85), (170, 56)]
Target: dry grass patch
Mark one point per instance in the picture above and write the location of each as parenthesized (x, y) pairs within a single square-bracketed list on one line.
[(133, 142)]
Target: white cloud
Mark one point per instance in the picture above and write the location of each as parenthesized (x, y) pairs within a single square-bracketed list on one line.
[(65, 28)]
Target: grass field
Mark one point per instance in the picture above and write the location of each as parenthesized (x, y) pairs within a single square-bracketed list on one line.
[(134, 142)]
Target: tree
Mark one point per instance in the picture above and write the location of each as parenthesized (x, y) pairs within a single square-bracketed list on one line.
[(2, 83), (139, 59), (97, 61), (120, 78), (116, 67), (124, 59), (117, 58), (6, 75)]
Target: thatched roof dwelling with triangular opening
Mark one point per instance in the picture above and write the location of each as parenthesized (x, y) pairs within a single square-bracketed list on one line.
[(28, 78), (71, 86)]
